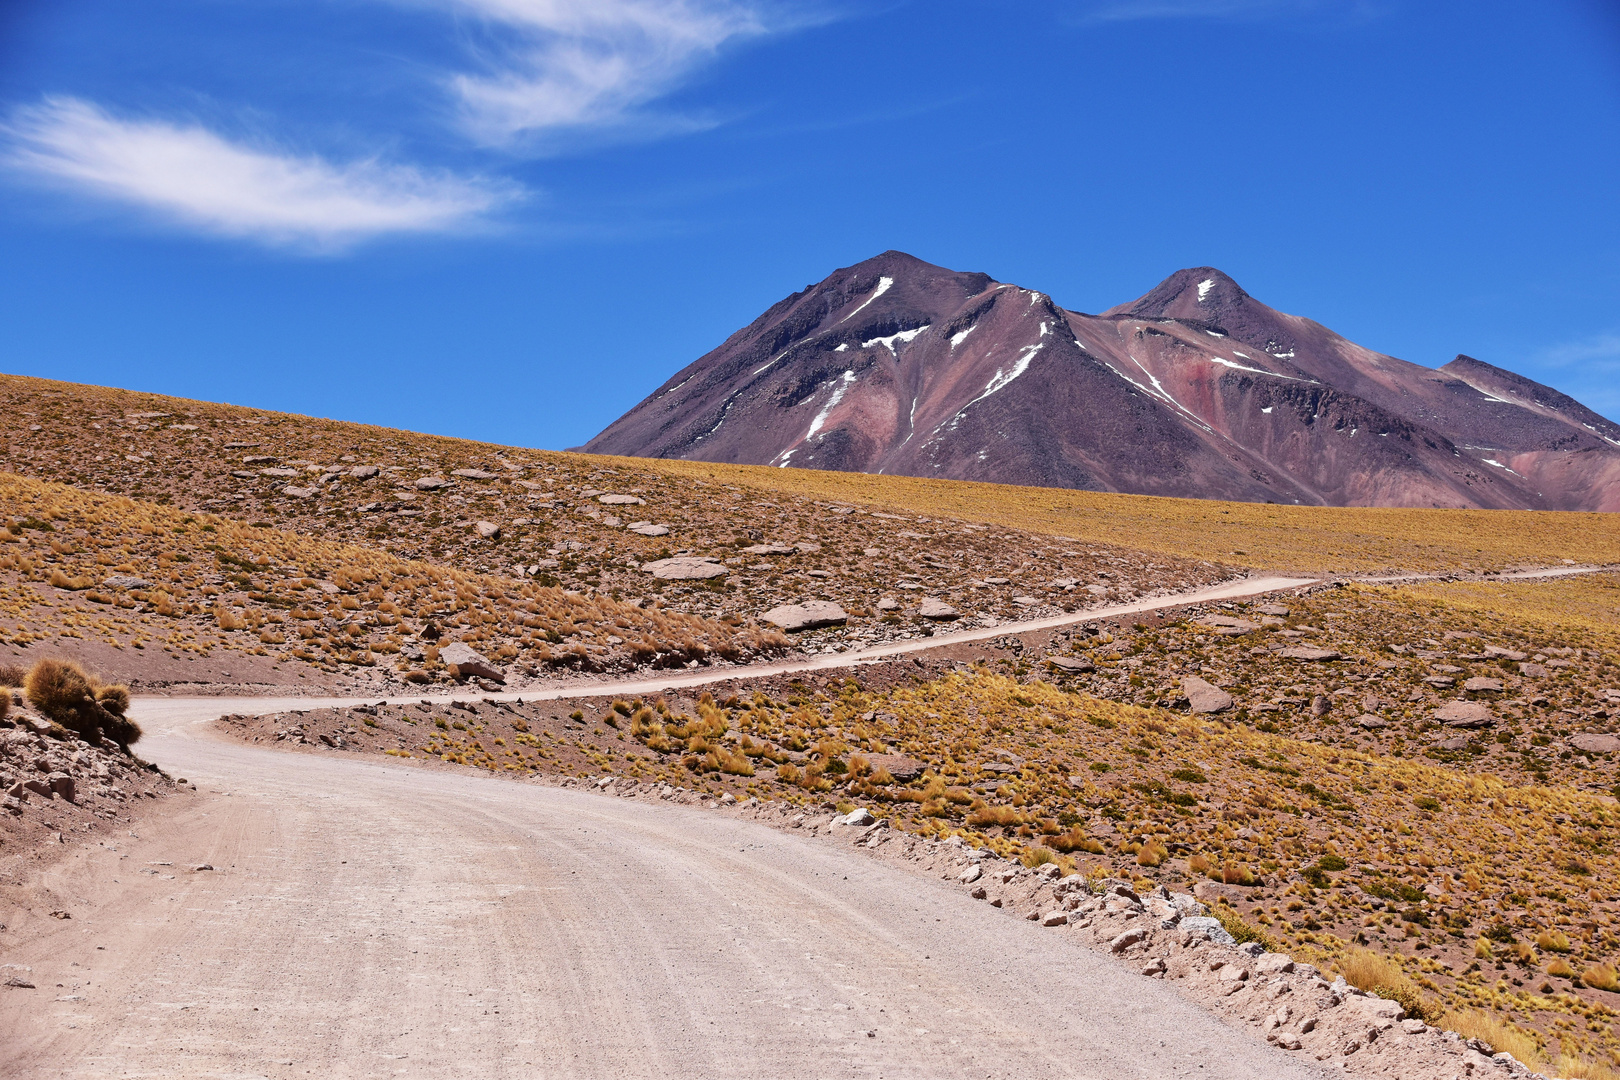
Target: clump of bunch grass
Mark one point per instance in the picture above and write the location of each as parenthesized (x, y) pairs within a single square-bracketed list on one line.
[(1500, 1035), (64, 692), (1378, 974)]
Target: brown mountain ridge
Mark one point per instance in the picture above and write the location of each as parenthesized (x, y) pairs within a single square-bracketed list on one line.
[(1196, 389)]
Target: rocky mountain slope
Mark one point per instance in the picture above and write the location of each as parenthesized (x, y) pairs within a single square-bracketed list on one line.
[(1196, 389)]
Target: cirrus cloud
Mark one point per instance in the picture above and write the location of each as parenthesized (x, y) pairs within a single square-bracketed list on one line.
[(571, 66), (190, 175)]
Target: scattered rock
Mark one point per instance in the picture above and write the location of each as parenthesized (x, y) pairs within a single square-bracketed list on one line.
[(807, 616), (1464, 714), (770, 549), (647, 528), (1305, 652), (685, 568), (126, 581), (475, 474), (1273, 964), (1532, 671), (1369, 721), (902, 768), (364, 472), (611, 499), (1479, 683), (468, 662), (888, 603), (859, 816), (1071, 663), (297, 492), (1456, 742), (1506, 654), (1596, 744), (1276, 610), (431, 483), (487, 530), (932, 608), (1205, 697), (1228, 627), (1130, 937), (1055, 918), (1208, 927), (971, 874)]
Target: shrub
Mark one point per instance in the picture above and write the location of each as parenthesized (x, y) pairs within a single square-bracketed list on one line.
[(12, 674), (66, 694), (1560, 969), (1198, 864), (1152, 854), (1552, 941)]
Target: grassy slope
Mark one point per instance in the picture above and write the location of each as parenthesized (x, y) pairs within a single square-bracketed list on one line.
[(1310, 539)]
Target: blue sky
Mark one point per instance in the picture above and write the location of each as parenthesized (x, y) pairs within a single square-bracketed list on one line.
[(511, 219)]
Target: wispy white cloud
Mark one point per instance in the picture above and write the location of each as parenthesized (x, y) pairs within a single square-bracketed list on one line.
[(568, 67), (192, 176)]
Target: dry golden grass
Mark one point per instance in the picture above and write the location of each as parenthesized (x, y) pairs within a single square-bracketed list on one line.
[(1501, 1035), (276, 584), (1295, 538), (1378, 974), (1589, 602)]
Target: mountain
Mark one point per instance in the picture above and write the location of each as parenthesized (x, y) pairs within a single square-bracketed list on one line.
[(1195, 389)]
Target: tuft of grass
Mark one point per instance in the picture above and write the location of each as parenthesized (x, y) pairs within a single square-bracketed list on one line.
[(1038, 856), (1601, 977), (1378, 974), (1242, 932), (1501, 1035), (1152, 854), (66, 694)]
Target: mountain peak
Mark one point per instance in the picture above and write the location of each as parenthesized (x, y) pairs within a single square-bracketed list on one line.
[(1198, 292)]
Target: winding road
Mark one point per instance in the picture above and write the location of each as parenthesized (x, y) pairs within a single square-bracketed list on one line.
[(368, 919)]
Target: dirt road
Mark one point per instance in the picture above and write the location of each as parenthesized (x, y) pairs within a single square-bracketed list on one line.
[(364, 919)]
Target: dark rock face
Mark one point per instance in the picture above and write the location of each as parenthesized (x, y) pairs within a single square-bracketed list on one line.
[(1196, 389)]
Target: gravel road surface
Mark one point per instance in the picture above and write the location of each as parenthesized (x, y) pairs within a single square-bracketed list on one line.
[(366, 919)]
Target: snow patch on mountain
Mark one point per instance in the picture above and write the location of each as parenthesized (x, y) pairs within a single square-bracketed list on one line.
[(883, 286)]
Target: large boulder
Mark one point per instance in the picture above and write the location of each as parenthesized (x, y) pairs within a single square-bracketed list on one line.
[(1464, 714), (468, 662), (1596, 744), (933, 608), (809, 615), (1205, 697), (685, 568)]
